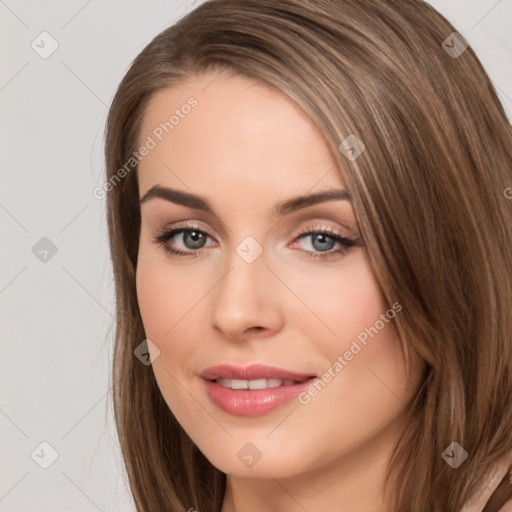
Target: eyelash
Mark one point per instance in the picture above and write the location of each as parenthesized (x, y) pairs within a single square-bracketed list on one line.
[(162, 237)]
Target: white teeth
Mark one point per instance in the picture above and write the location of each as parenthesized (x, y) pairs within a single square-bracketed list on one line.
[(239, 384), (254, 384), (274, 383), (257, 384)]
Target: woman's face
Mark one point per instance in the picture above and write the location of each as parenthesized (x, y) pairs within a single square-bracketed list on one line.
[(253, 288)]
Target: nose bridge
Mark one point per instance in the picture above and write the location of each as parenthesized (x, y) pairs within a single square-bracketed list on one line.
[(243, 297), (246, 274)]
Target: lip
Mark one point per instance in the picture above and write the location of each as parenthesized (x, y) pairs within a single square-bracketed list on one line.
[(247, 402), (251, 372)]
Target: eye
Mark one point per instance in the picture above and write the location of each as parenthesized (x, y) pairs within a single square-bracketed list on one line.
[(323, 240), (193, 239)]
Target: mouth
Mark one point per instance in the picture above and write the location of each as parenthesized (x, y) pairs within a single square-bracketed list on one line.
[(254, 390)]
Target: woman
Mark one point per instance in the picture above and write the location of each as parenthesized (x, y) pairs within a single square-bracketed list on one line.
[(310, 224)]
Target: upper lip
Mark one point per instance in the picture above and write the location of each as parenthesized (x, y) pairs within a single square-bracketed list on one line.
[(251, 372)]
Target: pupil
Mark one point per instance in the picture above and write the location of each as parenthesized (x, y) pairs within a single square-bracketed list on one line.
[(322, 239), (195, 237)]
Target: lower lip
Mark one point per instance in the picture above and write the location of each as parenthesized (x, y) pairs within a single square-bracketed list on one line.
[(248, 402)]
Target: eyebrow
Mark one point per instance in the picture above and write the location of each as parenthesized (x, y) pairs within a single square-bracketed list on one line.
[(199, 203)]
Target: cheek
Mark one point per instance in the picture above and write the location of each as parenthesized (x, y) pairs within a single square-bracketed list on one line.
[(363, 344), (348, 301), (164, 295), (151, 297), (163, 304), (169, 300)]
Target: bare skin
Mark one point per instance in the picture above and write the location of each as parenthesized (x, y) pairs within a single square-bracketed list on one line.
[(245, 148)]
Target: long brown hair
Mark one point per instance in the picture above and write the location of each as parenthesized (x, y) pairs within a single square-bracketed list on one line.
[(430, 197)]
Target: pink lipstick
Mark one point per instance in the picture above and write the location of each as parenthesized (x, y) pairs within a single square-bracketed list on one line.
[(253, 390)]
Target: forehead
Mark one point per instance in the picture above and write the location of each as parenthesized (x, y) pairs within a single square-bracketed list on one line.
[(215, 128)]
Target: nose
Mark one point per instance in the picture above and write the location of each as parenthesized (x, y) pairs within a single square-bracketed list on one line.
[(245, 301)]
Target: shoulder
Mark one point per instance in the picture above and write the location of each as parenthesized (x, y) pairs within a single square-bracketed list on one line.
[(477, 503), (507, 507)]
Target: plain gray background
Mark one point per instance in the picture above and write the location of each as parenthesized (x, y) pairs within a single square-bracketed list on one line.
[(57, 307)]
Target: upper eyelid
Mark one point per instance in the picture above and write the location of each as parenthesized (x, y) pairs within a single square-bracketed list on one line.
[(306, 227), (323, 209)]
